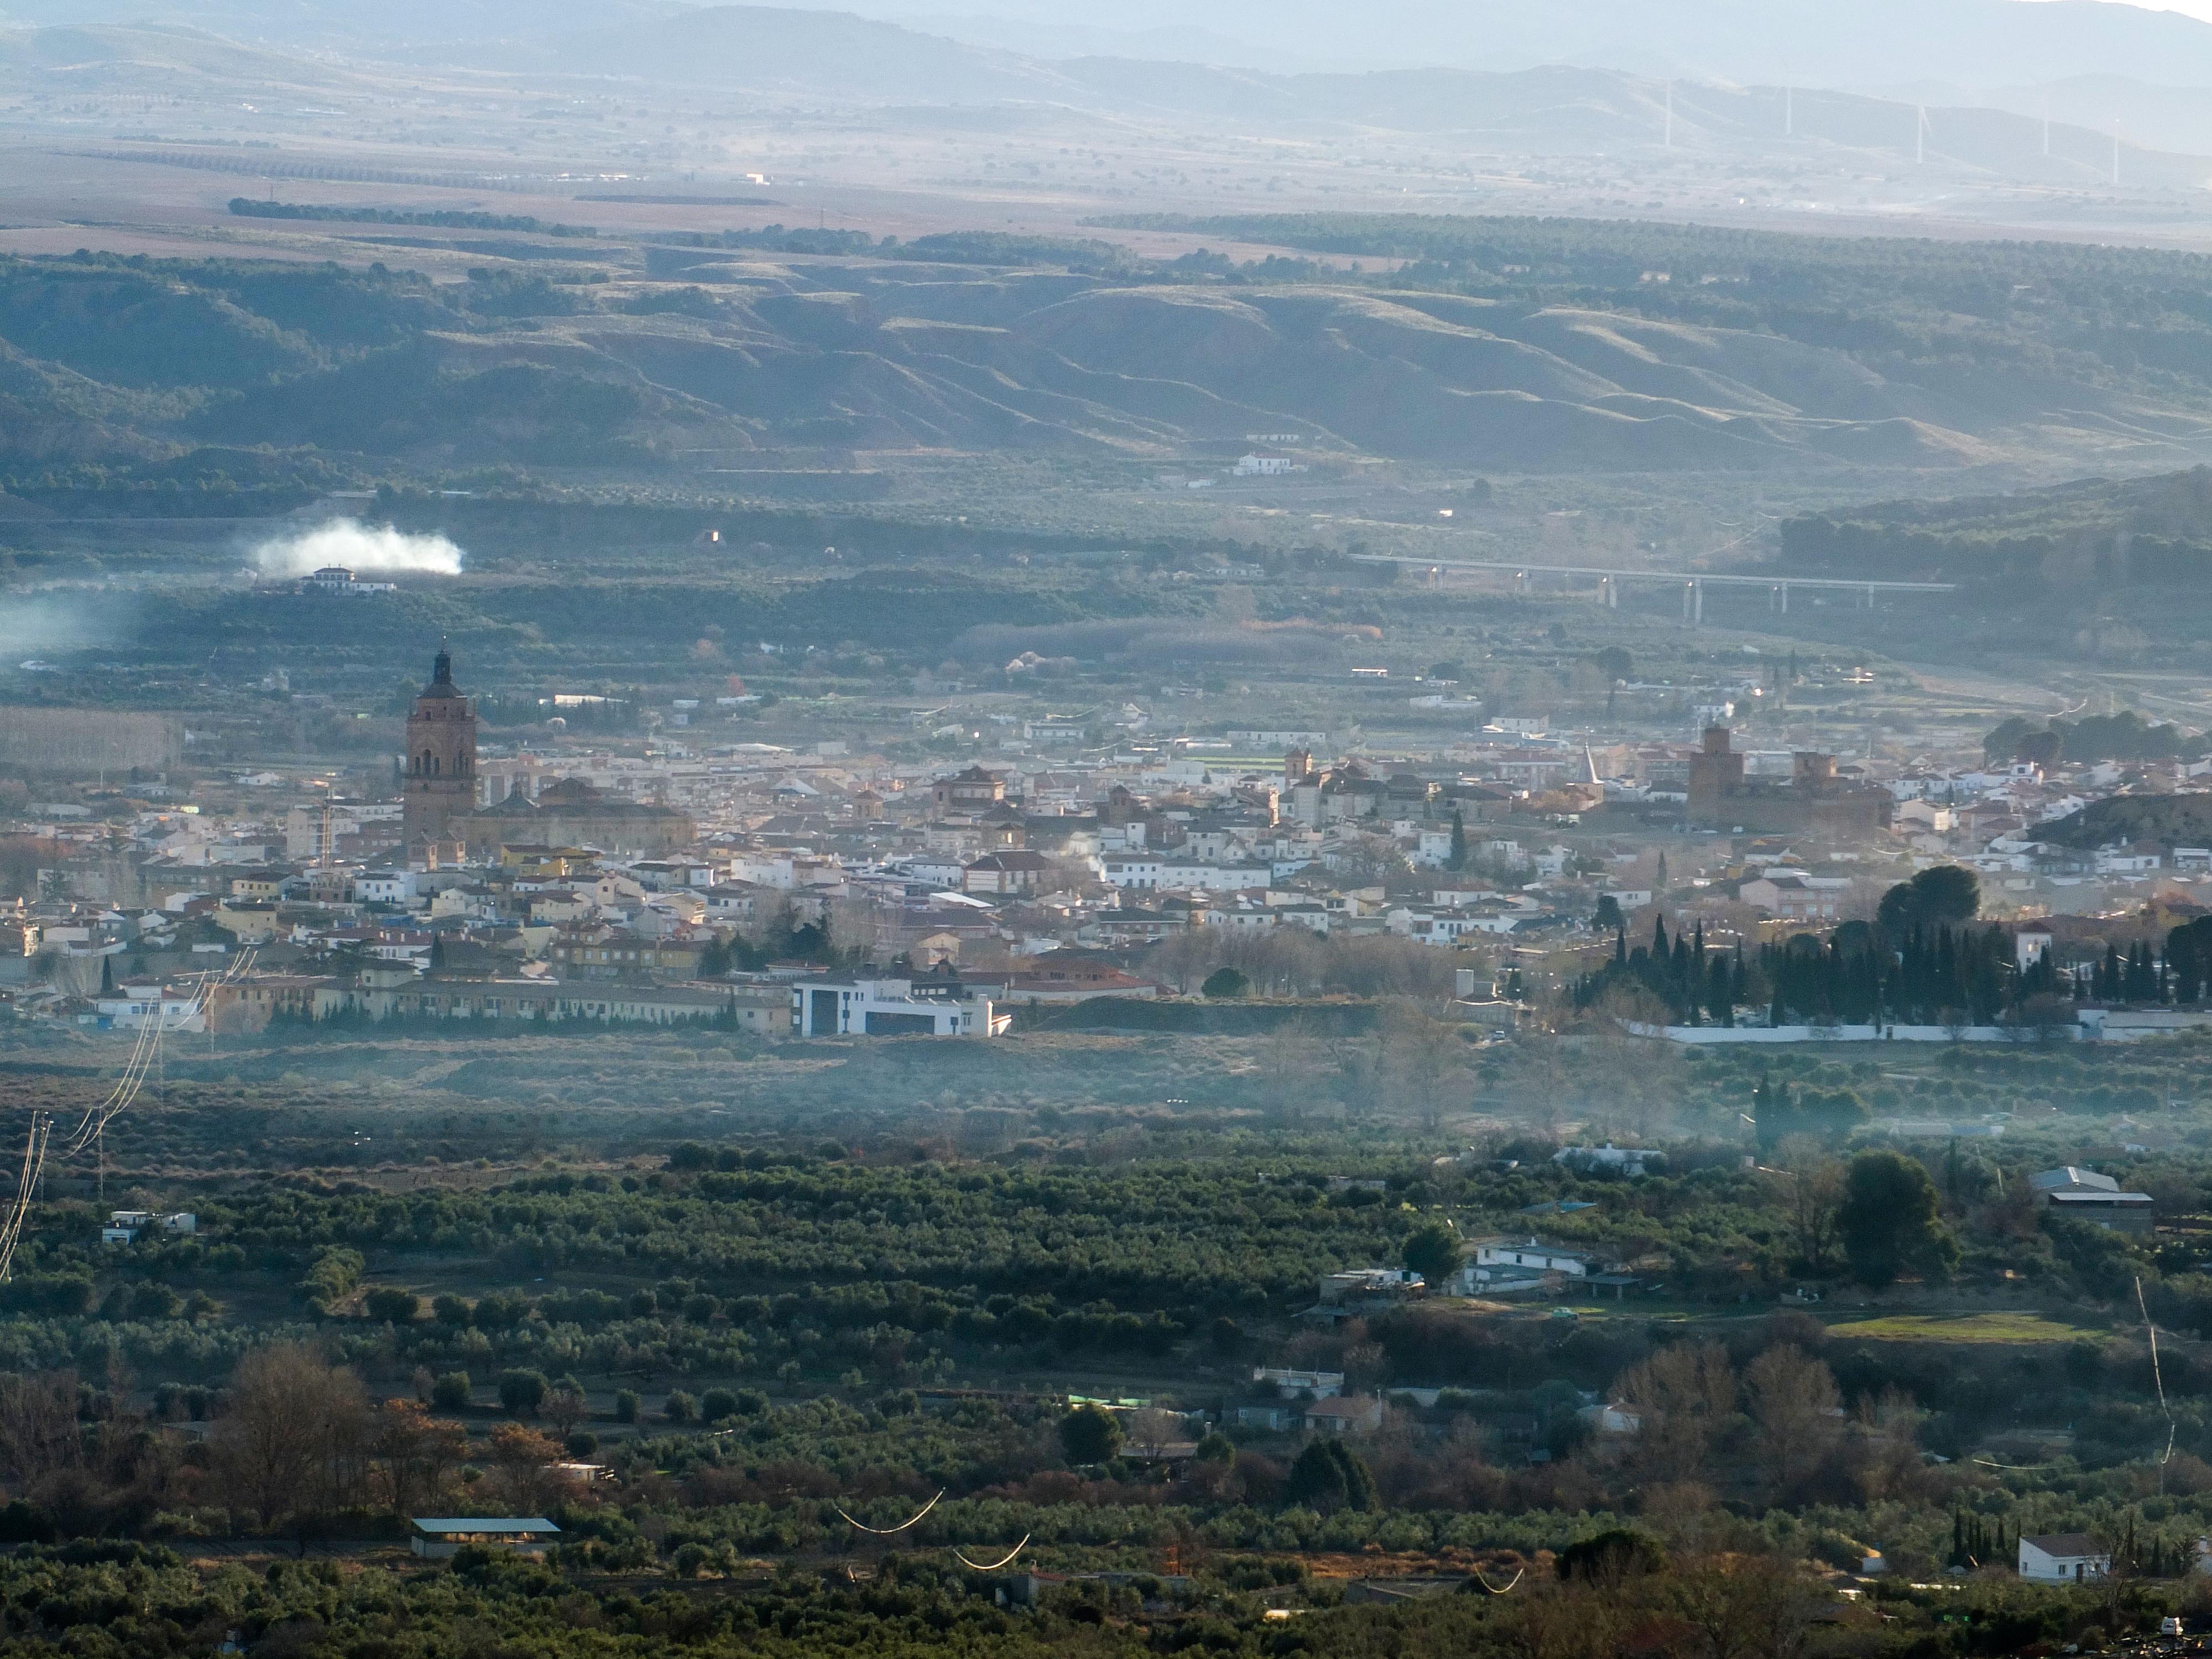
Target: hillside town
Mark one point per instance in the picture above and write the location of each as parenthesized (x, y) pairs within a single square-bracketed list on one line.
[(822, 893)]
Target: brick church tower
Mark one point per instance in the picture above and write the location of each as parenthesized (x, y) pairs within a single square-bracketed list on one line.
[(441, 760)]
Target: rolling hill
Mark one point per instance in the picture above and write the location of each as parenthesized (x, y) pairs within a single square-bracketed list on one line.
[(107, 58), (2077, 539), (115, 363)]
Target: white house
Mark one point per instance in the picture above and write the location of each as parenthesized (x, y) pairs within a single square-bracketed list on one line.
[(1619, 1160), (1296, 1384), (1446, 928), (2126, 862), (841, 1005), (1241, 918), (1187, 875), (123, 1226), (1925, 817), (136, 1007), (936, 872), (385, 886), (1506, 1258), (337, 579), (1347, 1414), (1792, 898), (2063, 1557), (1612, 1419)]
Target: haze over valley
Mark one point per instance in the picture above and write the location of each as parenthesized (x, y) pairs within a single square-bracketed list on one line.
[(932, 826)]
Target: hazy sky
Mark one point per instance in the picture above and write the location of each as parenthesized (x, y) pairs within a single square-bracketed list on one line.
[(2191, 8)]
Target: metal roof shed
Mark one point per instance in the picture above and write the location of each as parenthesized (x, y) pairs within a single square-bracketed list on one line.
[(437, 1538)]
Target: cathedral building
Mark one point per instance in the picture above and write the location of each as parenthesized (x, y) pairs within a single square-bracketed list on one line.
[(440, 777)]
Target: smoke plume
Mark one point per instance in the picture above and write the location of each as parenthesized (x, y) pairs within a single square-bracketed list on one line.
[(359, 547)]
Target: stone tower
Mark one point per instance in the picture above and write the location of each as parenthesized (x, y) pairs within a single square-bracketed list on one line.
[(441, 759)]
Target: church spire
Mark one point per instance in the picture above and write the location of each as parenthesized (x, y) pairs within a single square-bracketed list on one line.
[(441, 670)]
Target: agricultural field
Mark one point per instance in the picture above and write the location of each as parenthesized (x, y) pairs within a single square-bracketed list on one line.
[(762, 1313)]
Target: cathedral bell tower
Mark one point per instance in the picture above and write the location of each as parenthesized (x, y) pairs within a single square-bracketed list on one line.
[(441, 762)]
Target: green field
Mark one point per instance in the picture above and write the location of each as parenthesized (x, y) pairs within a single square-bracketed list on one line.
[(1963, 1327)]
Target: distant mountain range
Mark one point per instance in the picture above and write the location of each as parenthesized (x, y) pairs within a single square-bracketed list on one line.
[(1867, 45), (1555, 110)]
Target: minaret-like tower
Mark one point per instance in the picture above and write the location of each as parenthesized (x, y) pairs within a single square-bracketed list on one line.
[(441, 758)]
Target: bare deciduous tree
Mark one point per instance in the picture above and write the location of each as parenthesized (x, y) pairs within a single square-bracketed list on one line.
[(1551, 1621), (1796, 1412), (521, 1466), (1888, 1427), (1425, 1063), (1685, 1396), (564, 1409), (39, 1431), (1149, 1430), (294, 1442), (414, 1454), (1816, 1191), (1745, 1607)]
